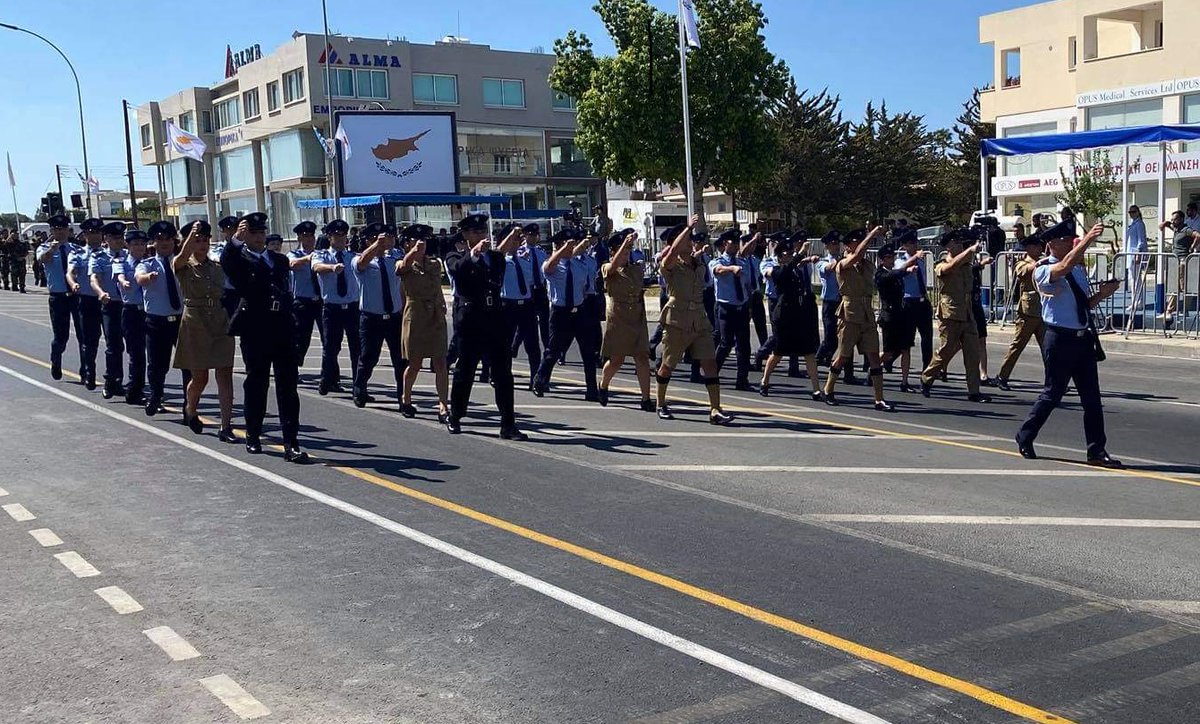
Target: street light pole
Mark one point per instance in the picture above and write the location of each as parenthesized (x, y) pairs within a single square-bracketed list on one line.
[(78, 97)]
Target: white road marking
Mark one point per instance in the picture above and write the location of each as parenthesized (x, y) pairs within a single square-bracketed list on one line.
[(3, 492), (232, 695), (731, 433), (1188, 607), (957, 472), (1006, 520), (46, 537), (171, 643), (120, 601), (76, 564), (18, 512), (684, 646)]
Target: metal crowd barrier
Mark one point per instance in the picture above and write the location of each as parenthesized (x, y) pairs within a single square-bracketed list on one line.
[(1190, 309), (1149, 282)]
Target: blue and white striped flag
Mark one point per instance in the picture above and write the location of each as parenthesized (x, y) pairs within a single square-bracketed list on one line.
[(687, 16)]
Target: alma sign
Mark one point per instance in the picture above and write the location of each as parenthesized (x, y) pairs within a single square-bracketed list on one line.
[(233, 60)]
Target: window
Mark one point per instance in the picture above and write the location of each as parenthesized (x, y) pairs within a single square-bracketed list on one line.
[(206, 121), (1030, 164), (250, 103), (567, 160), (293, 85), (186, 122), (273, 96), (1072, 53), (342, 80), (228, 113), (372, 83), (430, 88), (146, 141), (501, 164), (503, 93), (1125, 115), (1010, 68), (563, 102)]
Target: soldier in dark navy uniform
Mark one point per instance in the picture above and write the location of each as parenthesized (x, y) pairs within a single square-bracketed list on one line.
[(89, 321), (483, 329), (227, 225), (54, 256), (306, 289), (265, 325)]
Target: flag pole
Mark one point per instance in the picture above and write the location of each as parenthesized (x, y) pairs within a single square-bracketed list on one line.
[(12, 185), (687, 123), (337, 202)]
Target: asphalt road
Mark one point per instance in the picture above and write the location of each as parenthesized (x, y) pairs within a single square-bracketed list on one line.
[(805, 565)]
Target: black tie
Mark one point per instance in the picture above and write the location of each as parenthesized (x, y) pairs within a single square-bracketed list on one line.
[(921, 278), (316, 285), (388, 306), (342, 286), (62, 258), (1081, 300), (537, 273), (737, 285), (570, 286), (521, 287), (172, 287)]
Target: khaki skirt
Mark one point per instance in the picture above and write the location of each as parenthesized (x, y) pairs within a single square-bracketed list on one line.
[(204, 341), (423, 330), (625, 333)]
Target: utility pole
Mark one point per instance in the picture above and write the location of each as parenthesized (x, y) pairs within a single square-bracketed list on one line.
[(129, 163), (58, 178)]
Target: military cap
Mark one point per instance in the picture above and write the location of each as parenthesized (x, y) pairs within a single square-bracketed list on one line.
[(779, 236), (256, 221), (274, 237), (474, 222), (784, 245), (413, 232), (305, 227), (700, 237), (228, 223), (617, 238), (832, 237), (370, 231), (135, 235), (729, 235), (669, 234), (532, 228), (909, 236), (949, 236), (855, 235), (1062, 230), (561, 236), (161, 228), (1034, 238), (887, 250), (798, 238), (337, 226), (91, 224), (114, 228), (203, 228)]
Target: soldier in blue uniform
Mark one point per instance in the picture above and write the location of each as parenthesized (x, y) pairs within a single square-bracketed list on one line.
[(229, 298), (306, 289), (89, 324), (133, 315), (380, 307), (566, 276), (916, 305), (104, 282), (340, 298), (54, 256), (595, 255), (523, 275), (733, 305), (164, 307), (753, 251), (1069, 350)]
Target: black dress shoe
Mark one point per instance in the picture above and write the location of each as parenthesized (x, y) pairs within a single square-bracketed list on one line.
[(194, 423), (817, 395), (443, 418), (1002, 384), (764, 389), (360, 401), (452, 426), (90, 383), (322, 389), (926, 388), (905, 387), (1026, 450), (648, 406), (831, 399), (987, 382), (664, 413), (591, 397), (56, 369), (884, 406), (226, 435), (980, 397), (719, 418), (512, 433), (108, 393), (1104, 460), (254, 447), (152, 406), (135, 399), (602, 396), (293, 454), (408, 410), (538, 390)]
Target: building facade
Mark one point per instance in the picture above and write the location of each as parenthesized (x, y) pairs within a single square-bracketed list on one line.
[(515, 133), (1077, 65)]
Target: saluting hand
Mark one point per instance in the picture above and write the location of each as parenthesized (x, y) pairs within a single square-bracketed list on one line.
[(1093, 233)]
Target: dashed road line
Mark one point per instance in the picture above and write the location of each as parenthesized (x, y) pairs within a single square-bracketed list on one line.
[(1188, 607), (840, 470), (1004, 520), (76, 564), (120, 601), (232, 695), (46, 537), (18, 512), (171, 643)]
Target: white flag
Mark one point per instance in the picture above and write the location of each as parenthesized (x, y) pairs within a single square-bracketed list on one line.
[(325, 144), (184, 143), (91, 182), (687, 16), (12, 180), (341, 136)]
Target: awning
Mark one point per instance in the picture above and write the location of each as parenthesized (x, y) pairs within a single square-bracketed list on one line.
[(1083, 140), (406, 199)]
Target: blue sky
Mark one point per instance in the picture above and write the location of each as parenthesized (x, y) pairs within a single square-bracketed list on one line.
[(919, 55)]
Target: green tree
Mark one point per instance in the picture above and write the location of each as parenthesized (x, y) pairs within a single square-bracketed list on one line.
[(1092, 190), (146, 208), (962, 183), (895, 162), (9, 221), (630, 117), (812, 151)]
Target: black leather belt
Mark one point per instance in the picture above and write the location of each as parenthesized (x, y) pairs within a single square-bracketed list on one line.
[(1068, 331)]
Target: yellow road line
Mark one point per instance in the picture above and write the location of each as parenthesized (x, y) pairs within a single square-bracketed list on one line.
[(855, 649)]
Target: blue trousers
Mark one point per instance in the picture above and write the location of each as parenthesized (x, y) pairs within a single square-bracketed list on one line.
[(1069, 357), (341, 322), (374, 331)]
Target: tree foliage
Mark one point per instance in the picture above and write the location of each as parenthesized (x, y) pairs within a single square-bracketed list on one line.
[(962, 186), (894, 164), (1092, 191), (630, 111)]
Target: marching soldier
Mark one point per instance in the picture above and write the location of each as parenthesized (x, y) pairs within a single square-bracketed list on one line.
[(104, 282), (793, 311), (340, 299), (831, 299), (1029, 308), (566, 276), (753, 251), (522, 276), (5, 260), (377, 268), (229, 298), (164, 307), (64, 305), (895, 318), (916, 297), (733, 305), (423, 330), (478, 275), (686, 327), (89, 323), (856, 319), (133, 314), (956, 321), (261, 278), (18, 250), (306, 289), (625, 334)]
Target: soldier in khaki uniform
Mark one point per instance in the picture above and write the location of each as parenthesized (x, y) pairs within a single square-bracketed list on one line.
[(423, 321), (856, 316), (1029, 308), (686, 328), (956, 321), (625, 332)]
